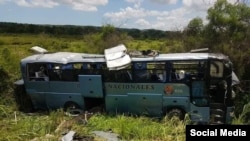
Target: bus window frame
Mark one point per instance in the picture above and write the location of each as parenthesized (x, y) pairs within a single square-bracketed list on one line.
[(149, 72), (192, 69), (39, 71), (216, 69)]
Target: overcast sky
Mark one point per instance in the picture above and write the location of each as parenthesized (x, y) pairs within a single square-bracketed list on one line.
[(140, 14)]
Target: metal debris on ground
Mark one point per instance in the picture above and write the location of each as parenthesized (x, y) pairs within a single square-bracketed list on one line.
[(73, 136), (108, 136), (69, 136)]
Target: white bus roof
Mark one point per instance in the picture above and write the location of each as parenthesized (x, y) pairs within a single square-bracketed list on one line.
[(71, 57), (64, 58), (182, 57)]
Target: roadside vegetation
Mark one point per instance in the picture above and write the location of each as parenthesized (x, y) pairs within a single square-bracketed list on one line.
[(52, 126), (227, 32)]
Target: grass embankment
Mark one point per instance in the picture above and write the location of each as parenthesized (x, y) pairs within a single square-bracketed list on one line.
[(18, 126)]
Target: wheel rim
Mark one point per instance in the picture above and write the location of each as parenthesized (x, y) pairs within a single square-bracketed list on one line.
[(175, 113), (72, 109)]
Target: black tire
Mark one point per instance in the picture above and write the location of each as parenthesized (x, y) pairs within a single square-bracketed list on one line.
[(72, 109), (175, 112)]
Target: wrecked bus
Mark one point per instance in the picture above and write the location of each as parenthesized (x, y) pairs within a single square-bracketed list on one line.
[(195, 83)]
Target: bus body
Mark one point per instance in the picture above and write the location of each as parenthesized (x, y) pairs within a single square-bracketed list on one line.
[(175, 84)]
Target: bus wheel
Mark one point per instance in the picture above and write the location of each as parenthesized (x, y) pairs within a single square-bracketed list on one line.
[(72, 109), (175, 112)]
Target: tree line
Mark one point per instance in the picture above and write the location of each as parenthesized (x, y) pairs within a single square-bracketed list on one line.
[(74, 30)]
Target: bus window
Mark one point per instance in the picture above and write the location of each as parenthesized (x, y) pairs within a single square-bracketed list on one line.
[(92, 68), (37, 72), (140, 72), (70, 72), (55, 72), (123, 75), (149, 72), (158, 71), (62, 72), (216, 69), (187, 70)]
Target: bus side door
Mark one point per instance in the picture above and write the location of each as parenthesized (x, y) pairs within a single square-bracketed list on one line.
[(91, 86), (199, 103)]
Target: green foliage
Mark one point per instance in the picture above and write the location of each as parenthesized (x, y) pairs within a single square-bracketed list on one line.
[(194, 27), (108, 37), (1, 42), (227, 22), (140, 128), (6, 54), (5, 88), (50, 126), (76, 31), (242, 97), (10, 61), (94, 43), (18, 126), (244, 116), (194, 35)]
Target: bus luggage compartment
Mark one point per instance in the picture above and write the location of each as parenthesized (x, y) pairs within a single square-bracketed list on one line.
[(91, 86)]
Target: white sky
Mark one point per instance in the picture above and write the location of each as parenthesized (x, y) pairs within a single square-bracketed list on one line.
[(140, 14)]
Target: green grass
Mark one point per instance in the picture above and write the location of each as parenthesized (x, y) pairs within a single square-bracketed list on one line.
[(140, 128), (18, 126), (243, 117)]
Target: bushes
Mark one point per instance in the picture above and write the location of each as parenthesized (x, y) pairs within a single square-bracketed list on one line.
[(4, 77), (244, 116)]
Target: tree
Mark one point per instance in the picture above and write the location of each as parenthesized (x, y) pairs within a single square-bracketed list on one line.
[(108, 37), (193, 38), (228, 32), (195, 27), (228, 22)]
